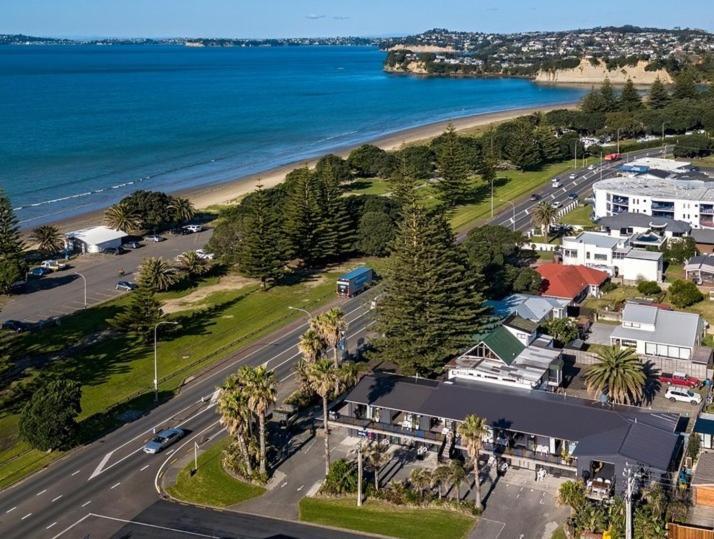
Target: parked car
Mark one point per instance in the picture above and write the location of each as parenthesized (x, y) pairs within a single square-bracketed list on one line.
[(162, 440), (193, 228), (678, 379), (54, 265), (535, 197), (573, 196), (204, 255), (155, 238), (15, 325), (38, 273), (682, 394), (125, 285), (114, 251), (132, 245), (180, 231)]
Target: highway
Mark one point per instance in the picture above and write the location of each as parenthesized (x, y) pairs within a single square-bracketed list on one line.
[(111, 481)]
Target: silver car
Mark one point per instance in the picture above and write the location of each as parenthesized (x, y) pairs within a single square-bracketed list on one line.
[(162, 440)]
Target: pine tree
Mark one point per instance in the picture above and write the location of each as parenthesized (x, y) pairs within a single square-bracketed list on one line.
[(593, 102), (303, 225), (685, 86), (523, 149), (403, 183), (260, 252), (608, 96), (12, 261), (630, 98), (141, 314), (430, 307), (453, 165), (658, 97), (547, 142), (338, 230)]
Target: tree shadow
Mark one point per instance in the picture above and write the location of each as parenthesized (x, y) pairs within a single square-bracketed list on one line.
[(652, 384)]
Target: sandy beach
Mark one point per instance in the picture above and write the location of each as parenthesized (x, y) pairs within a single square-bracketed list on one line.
[(230, 192)]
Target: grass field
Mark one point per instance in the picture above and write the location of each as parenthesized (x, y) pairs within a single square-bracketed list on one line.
[(211, 485), (385, 519), (117, 374), (580, 216)]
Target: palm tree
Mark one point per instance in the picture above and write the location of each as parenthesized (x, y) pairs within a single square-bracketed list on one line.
[(619, 373), (182, 209), (439, 477), (261, 391), (457, 476), (322, 377), (235, 415), (544, 215), (331, 327), (121, 217), (157, 274), (193, 264), (472, 430), (48, 239), (311, 345), (420, 479), (348, 374), (377, 457)]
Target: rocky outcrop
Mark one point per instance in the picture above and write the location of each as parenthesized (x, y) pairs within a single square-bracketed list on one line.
[(586, 72), (417, 68)]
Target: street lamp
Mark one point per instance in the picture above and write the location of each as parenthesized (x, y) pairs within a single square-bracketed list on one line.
[(618, 139), (84, 279), (664, 147), (156, 368), (309, 315), (514, 211)]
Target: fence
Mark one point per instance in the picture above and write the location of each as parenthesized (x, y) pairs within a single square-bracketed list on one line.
[(663, 364), (686, 531)]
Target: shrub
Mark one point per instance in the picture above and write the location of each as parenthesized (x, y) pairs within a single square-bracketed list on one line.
[(342, 478), (648, 288), (608, 286), (684, 293)]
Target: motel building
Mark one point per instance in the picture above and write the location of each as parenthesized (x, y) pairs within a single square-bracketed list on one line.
[(530, 429)]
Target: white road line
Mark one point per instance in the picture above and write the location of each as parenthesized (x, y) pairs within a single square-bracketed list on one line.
[(137, 523), (51, 525), (26, 516), (115, 485), (57, 498), (40, 493), (11, 509), (85, 504), (300, 488), (72, 525), (75, 473), (101, 464), (144, 467)]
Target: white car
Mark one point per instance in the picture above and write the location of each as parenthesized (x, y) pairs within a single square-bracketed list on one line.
[(683, 394), (555, 183), (573, 176), (193, 228), (556, 204), (55, 265), (204, 255), (591, 167)]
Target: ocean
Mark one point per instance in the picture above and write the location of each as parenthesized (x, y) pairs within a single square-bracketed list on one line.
[(83, 126)]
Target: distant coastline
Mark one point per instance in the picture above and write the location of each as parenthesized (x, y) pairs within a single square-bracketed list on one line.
[(231, 191)]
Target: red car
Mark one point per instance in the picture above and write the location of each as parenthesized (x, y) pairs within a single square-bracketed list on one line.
[(678, 379)]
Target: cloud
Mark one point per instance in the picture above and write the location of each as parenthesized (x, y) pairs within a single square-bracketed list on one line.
[(314, 17)]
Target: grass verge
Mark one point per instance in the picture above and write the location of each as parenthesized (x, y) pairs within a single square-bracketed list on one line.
[(211, 485), (580, 216), (386, 519)]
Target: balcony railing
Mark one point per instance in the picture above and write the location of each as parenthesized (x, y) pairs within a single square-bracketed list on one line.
[(521, 452), (386, 428), (667, 206)]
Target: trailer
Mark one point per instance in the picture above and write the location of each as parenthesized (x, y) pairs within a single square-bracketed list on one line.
[(355, 281)]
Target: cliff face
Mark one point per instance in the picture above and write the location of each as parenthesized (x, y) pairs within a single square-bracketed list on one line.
[(417, 68), (588, 73)]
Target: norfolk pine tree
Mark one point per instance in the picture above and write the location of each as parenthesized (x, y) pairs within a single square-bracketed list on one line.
[(303, 225), (338, 229), (141, 314), (658, 96), (12, 261), (430, 307), (453, 165)]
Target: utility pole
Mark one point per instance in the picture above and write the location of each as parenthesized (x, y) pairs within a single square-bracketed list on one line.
[(629, 481), (576, 155), (195, 455), (618, 140), (359, 475)]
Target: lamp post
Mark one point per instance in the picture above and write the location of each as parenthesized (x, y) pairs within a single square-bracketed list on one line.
[(664, 147), (84, 279), (156, 368), (514, 211)]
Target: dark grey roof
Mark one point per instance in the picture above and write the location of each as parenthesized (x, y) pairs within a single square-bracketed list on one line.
[(627, 219), (704, 470), (644, 436), (703, 235)]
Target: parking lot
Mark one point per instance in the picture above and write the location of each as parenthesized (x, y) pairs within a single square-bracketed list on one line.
[(62, 292)]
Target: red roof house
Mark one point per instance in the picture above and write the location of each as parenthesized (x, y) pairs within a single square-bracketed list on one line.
[(570, 282)]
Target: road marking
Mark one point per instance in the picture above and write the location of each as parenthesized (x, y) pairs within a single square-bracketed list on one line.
[(11, 509), (27, 515), (72, 525), (85, 504), (300, 488), (284, 485), (144, 467), (115, 485), (75, 473), (101, 464), (48, 527), (137, 523), (40, 493), (57, 498)]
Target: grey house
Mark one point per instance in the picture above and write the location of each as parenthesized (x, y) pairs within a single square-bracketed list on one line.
[(531, 429)]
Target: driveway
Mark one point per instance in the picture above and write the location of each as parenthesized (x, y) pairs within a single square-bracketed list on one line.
[(600, 333), (62, 292)]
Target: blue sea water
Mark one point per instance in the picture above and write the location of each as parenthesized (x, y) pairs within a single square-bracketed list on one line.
[(82, 126)]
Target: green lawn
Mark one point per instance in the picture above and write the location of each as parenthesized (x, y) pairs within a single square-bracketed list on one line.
[(386, 519), (211, 485), (368, 186), (673, 272), (117, 374), (558, 533), (580, 216), (613, 298)]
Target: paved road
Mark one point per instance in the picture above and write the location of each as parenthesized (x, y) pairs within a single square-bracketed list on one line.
[(62, 292), (113, 478)]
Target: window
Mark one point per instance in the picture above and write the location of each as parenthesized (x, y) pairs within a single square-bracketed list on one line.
[(627, 343), (600, 257), (587, 255)]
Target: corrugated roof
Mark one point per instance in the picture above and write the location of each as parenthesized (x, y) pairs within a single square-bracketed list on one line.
[(704, 470), (641, 220), (671, 327), (503, 344), (530, 307), (704, 425)]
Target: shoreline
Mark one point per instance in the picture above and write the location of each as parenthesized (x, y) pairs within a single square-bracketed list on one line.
[(229, 192)]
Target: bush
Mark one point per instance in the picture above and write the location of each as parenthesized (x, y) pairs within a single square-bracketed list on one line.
[(684, 293), (342, 478), (608, 286), (648, 288), (48, 419)]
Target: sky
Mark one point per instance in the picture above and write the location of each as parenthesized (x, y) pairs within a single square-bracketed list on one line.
[(292, 18)]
